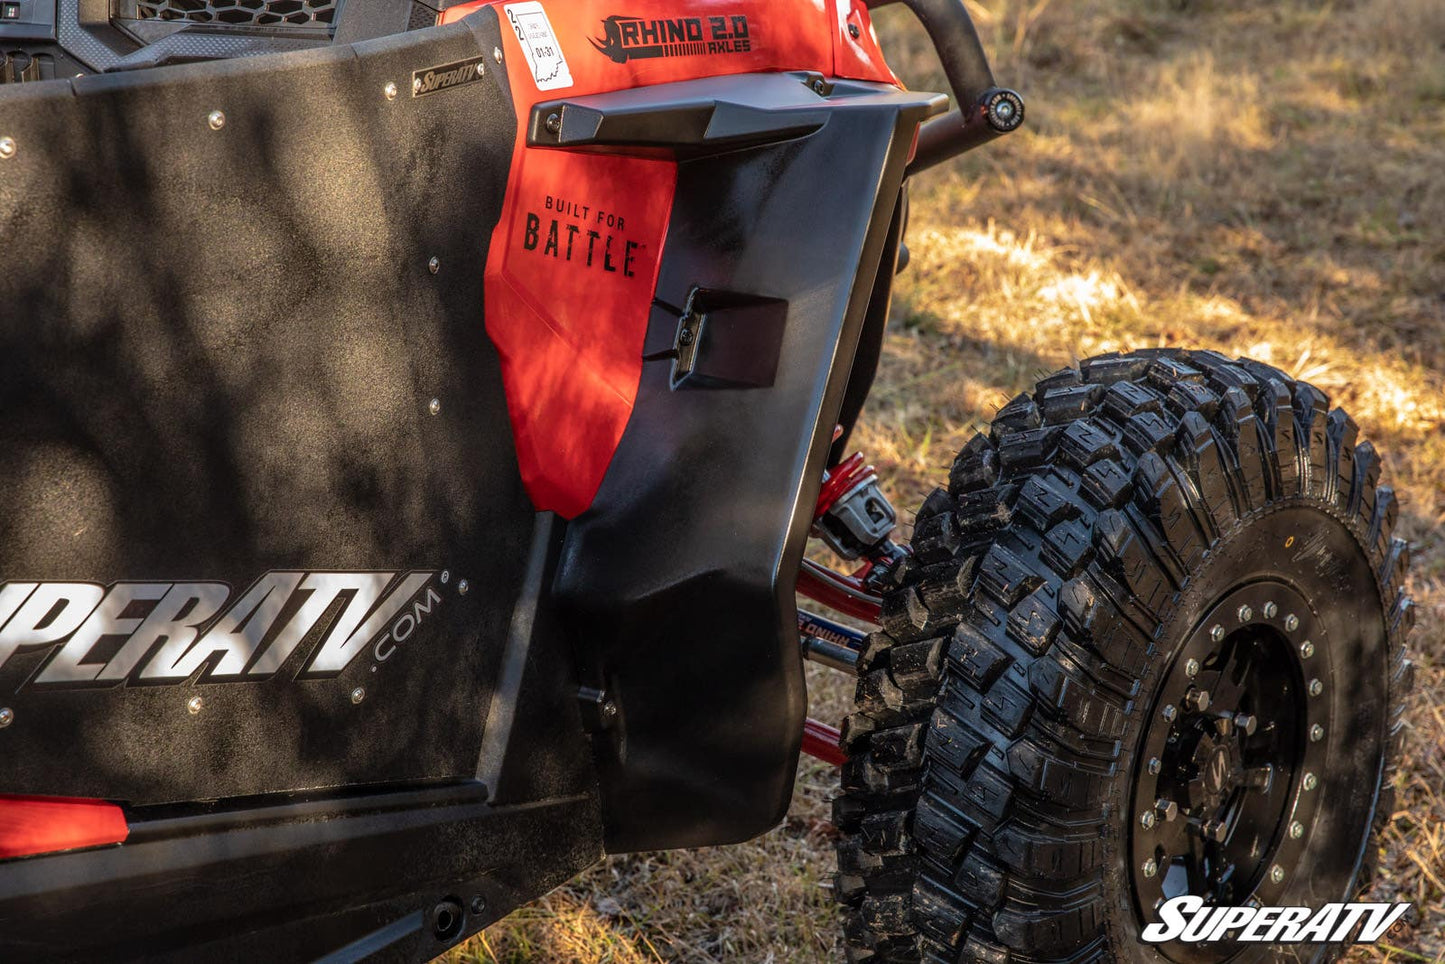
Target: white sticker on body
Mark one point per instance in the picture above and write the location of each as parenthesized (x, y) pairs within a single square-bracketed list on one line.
[(539, 45)]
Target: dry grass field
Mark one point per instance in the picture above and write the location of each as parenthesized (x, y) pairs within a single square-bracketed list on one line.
[(1262, 176)]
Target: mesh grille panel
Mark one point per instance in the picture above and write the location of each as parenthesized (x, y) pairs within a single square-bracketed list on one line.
[(259, 13)]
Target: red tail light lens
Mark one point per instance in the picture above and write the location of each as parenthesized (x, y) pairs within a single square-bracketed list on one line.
[(40, 825)]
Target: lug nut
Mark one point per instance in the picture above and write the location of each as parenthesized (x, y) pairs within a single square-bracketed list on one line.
[(1245, 614), (1291, 622), (1246, 723), (1306, 649), (1151, 867), (1146, 819), (1215, 830), (1217, 634), (1196, 700), (1316, 687), (1296, 830), (1317, 733), (1311, 781), (1276, 873), (1155, 766), (1191, 668), (1260, 778), (1168, 809), (1170, 712), (1270, 610)]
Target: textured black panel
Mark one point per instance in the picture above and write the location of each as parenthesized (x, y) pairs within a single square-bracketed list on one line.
[(217, 351)]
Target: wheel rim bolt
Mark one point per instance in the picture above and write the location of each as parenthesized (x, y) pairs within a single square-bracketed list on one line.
[(1217, 634), (1246, 723), (1291, 622), (1270, 610), (1170, 712), (1196, 700), (1191, 668), (1307, 649), (1168, 809), (1146, 819), (1317, 733), (1151, 867), (1155, 766), (1296, 830), (1316, 687), (1215, 830), (1311, 781), (1245, 614), (1276, 873)]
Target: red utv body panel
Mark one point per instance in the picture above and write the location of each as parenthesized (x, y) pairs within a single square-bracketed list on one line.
[(572, 265)]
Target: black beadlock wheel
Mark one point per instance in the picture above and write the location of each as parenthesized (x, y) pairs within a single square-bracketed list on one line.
[(1149, 643)]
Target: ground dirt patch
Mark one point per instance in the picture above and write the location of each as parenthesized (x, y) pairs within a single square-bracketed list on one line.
[(1265, 177)]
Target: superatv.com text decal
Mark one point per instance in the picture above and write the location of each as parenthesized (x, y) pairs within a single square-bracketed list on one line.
[(165, 632), (576, 234), (632, 38)]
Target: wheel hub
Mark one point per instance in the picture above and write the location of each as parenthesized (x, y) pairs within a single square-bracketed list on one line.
[(1222, 795)]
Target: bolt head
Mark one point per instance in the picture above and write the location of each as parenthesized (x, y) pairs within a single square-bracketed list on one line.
[(1216, 633), (479, 904), (1306, 649), (1155, 766), (1316, 687), (1245, 614), (216, 119), (1296, 830), (1167, 809), (497, 54), (1311, 781), (358, 694), (1191, 668), (446, 576), (1270, 610), (1151, 867), (434, 264), (1215, 830), (1146, 819), (1317, 733), (416, 85), (463, 586), (1197, 700), (1247, 723), (1291, 622), (435, 408), (7, 716), (1170, 712), (7, 147), (1276, 873), (194, 704), (553, 123), (389, 91), (481, 68)]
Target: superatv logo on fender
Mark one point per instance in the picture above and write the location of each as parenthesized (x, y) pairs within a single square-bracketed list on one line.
[(445, 77), (165, 632), (1189, 920), (632, 38)]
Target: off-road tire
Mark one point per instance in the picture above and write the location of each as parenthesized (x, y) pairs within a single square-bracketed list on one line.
[(986, 810)]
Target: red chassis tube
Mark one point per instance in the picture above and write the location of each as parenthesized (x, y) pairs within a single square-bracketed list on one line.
[(821, 741)]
